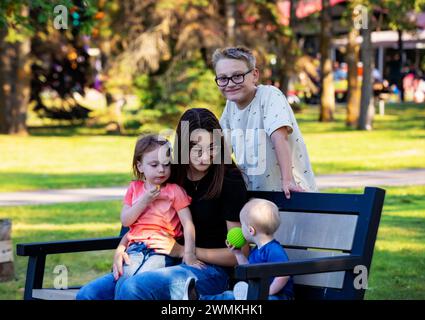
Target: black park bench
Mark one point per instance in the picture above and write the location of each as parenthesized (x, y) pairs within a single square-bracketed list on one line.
[(329, 239)]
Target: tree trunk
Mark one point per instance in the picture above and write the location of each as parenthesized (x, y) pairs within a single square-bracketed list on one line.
[(230, 22), (367, 108), (14, 85), (327, 99), (289, 53), (401, 63), (353, 98)]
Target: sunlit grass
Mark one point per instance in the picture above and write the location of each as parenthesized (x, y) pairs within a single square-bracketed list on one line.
[(99, 227), (398, 263), (62, 222), (63, 158), (33, 162), (397, 141)]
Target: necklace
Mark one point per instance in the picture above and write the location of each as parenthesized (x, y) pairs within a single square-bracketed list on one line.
[(195, 184)]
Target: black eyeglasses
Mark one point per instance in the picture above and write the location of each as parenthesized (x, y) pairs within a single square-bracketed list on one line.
[(236, 79)]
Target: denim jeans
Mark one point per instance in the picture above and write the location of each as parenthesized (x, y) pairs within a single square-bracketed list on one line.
[(168, 283), (142, 259), (228, 295)]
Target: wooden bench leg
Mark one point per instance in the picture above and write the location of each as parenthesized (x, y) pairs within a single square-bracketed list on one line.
[(35, 275), (258, 289)]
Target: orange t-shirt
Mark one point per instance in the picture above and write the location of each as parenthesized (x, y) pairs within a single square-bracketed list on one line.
[(160, 214)]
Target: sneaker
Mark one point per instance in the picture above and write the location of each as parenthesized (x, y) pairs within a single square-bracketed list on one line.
[(190, 292), (240, 290)]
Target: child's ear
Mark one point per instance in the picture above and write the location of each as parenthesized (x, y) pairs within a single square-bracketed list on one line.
[(256, 74), (252, 230), (139, 167)]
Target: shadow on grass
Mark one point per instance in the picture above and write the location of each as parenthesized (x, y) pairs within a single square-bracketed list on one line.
[(76, 130), (401, 116), (410, 229), (403, 202), (402, 123)]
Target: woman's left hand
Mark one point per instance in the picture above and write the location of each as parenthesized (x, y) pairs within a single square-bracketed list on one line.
[(165, 244)]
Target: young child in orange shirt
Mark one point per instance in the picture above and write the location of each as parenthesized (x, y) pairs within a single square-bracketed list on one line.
[(152, 206)]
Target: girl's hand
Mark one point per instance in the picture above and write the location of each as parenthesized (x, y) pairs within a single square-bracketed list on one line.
[(150, 194), (191, 260), (288, 186), (119, 257), (165, 244)]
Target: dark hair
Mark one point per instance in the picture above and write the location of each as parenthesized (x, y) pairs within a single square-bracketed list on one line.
[(201, 118), (146, 144)]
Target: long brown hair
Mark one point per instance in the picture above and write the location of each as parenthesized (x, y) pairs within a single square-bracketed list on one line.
[(200, 118)]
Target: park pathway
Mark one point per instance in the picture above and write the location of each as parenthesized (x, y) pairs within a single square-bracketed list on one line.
[(347, 180)]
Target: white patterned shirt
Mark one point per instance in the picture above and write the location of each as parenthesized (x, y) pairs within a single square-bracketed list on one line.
[(248, 131)]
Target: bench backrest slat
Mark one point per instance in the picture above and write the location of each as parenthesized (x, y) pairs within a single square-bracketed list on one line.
[(313, 230), (328, 279)]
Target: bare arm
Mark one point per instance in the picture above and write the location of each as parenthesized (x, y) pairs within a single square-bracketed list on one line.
[(240, 257), (120, 256), (223, 256), (123, 243), (165, 244), (277, 284), (129, 214), (185, 216), (283, 154)]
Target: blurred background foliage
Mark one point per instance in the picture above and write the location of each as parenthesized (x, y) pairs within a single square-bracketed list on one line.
[(133, 66)]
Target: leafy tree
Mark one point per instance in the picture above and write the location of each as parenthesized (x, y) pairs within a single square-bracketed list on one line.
[(19, 21), (401, 18), (399, 13)]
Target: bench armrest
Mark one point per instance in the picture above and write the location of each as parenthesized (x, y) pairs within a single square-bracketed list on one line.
[(45, 248), (37, 252), (297, 267), (258, 274)]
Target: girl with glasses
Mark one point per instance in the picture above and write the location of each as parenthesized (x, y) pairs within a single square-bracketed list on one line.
[(218, 192)]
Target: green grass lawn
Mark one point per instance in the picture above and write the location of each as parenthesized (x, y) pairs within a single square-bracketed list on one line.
[(399, 256), (397, 142), (396, 273), (72, 158), (62, 222), (50, 162)]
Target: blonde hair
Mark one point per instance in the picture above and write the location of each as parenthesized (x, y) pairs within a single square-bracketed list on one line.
[(237, 53), (262, 214)]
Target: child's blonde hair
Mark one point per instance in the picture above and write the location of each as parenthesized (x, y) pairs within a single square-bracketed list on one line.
[(262, 214), (237, 53)]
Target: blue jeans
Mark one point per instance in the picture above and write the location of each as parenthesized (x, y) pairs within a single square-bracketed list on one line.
[(142, 259), (168, 283), (228, 295)]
